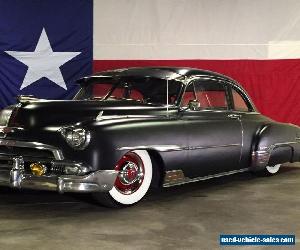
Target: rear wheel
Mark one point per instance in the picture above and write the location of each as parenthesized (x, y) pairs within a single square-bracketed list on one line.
[(132, 182), (270, 170)]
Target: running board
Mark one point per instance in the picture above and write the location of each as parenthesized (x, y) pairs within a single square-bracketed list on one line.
[(176, 177)]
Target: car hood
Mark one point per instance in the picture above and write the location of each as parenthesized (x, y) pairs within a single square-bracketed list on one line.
[(44, 113)]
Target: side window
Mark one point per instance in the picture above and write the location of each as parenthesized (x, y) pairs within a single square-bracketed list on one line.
[(100, 90), (206, 94), (239, 102)]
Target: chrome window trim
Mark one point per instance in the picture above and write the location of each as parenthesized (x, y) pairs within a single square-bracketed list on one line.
[(58, 155), (228, 111), (229, 82), (197, 77), (244, 96)]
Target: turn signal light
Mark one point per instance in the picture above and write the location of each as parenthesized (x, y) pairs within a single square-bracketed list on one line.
[(38, 169)]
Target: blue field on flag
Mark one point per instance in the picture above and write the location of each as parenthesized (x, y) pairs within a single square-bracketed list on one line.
[(44, 47)]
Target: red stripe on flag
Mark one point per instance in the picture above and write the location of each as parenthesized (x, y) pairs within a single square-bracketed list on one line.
[(274, 85)]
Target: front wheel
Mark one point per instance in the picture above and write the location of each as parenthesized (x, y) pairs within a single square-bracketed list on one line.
[(132, 182)]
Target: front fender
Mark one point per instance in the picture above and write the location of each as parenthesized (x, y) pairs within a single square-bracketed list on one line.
[(110, 140)]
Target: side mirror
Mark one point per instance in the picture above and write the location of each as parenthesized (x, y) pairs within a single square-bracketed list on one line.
[(194, 105)]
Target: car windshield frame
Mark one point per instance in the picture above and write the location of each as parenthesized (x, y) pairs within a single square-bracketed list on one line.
[(86, 85)]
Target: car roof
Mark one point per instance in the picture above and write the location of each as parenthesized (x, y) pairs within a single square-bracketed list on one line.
[(164, 72), (171, 73)]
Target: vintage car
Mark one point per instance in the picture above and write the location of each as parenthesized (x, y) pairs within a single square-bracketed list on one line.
[(130, 130)]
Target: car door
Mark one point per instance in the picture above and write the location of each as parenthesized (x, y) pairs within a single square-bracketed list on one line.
[(251, 121), (214, 132)]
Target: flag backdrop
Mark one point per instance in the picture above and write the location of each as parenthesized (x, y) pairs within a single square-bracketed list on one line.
[(44, 47), (255, 42)]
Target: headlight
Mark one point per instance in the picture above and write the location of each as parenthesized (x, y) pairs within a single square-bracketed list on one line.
[(77, 138)]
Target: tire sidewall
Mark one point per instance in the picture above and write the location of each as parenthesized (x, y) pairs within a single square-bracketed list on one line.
[(271, 170), (135, 197)]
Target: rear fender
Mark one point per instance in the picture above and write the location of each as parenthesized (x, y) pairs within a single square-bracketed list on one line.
[(275, 144)]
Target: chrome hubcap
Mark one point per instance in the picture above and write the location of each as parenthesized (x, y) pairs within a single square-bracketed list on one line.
[(131, 173)]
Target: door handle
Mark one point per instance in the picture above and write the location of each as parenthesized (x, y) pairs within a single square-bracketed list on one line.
[(234, 116)]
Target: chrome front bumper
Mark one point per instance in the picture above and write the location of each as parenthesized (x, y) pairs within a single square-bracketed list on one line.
[(14, 176)]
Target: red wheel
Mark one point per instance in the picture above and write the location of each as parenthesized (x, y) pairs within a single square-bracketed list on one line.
[(131, 173), (134, 178), (133, 181)]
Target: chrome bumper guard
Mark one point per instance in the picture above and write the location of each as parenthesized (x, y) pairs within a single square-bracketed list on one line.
[(15, 176)]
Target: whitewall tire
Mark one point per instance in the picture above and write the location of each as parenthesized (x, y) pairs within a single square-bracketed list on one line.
[(271, 170), (268, 170), (133, 181), (139, 193)]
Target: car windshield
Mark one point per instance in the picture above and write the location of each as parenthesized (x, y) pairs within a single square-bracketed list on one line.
[(145, 90)]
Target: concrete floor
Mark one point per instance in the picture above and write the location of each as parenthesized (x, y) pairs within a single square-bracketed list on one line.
[(186, 217)]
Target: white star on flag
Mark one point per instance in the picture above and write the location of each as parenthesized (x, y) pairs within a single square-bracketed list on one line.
[(43, 62)]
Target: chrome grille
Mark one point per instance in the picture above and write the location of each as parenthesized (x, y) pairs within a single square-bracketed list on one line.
[(25, 152), (29, 149), (5, 164), (58, 170)]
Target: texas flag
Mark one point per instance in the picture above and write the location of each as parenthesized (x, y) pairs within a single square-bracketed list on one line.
[(46, 45)]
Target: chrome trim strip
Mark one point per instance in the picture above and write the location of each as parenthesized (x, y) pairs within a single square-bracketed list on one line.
[(102, 117), (188, 180), (160, 148), (4, 130), (170, 148), (58, 155), (276, 145), (227, 111), (284, 143), (215, 146)]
